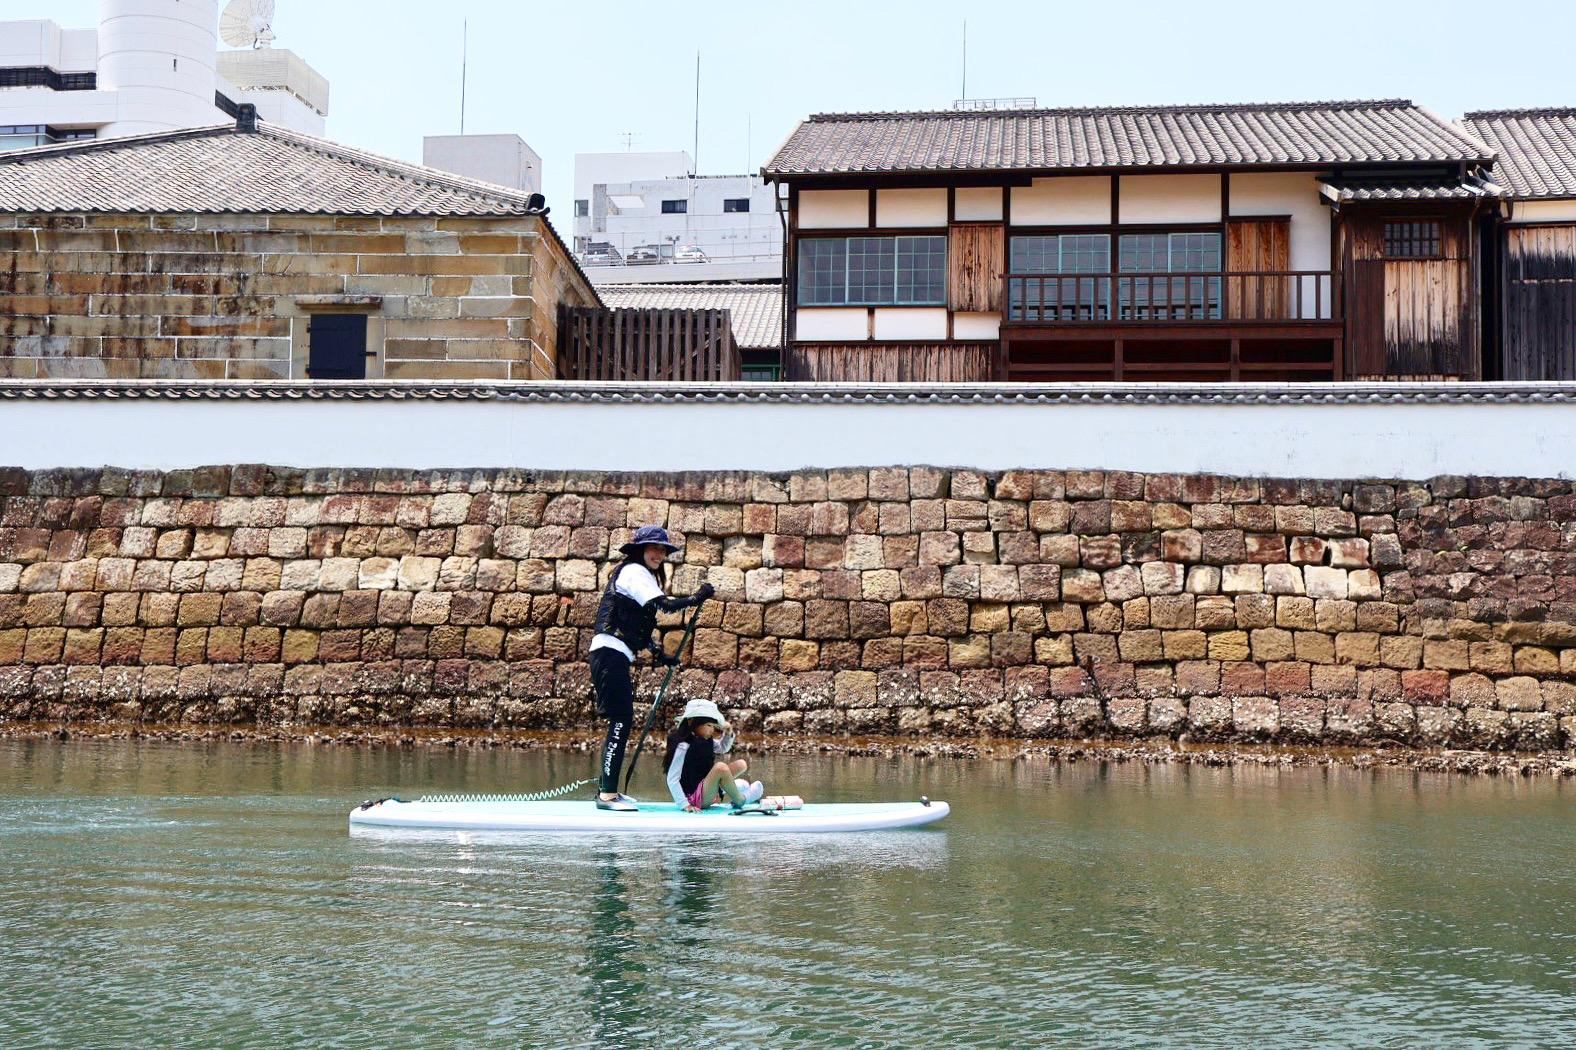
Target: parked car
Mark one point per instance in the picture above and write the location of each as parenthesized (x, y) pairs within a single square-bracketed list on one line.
[(689, 253), (601, 253), (643, 255)]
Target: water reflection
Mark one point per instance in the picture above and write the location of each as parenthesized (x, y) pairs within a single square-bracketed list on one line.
[(613, 969)]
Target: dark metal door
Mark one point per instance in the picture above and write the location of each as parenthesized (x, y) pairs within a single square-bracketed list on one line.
[(338, 346)]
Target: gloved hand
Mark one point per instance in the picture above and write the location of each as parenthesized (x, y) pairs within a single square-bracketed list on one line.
[(663, 659), (704, 592)]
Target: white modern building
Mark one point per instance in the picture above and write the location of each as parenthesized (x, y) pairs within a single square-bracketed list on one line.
[(149, 66), (648, 218), (505, 160)]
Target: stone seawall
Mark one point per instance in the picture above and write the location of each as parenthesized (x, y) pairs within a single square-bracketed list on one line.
[(907, 600)]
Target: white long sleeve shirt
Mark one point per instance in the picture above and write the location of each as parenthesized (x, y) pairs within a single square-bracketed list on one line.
[(723, 746), (637, 583)]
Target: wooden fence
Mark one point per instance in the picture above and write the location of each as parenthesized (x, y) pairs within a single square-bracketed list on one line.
[(647, 345)]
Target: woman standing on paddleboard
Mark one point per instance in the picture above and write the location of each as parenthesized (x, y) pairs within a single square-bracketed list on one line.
[(625, 622)]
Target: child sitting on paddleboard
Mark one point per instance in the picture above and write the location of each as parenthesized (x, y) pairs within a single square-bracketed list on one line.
[(698, 768)]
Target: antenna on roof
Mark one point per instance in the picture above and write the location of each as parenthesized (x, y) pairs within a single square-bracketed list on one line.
[(965, 92), (465, 67), (695, 159), (248, 23)]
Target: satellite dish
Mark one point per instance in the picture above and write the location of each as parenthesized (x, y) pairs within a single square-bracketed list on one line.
[(247, 23)]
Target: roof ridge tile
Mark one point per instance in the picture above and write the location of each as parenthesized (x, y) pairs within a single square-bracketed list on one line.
[(1516, 114), (1188, 107)]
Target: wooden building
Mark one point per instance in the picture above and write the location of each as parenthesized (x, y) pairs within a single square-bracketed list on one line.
[(250, 252), (1305, 241), (1530, 299)]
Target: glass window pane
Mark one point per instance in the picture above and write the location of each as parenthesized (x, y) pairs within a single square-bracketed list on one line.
[(1033, 254), (1143, 253), (1417, 240), (921, 270), (1085, 253), (1061, 300), (823, 271), (1194, 252), (872, 269)]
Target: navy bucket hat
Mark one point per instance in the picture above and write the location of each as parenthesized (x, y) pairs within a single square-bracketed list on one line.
[(646, 536)]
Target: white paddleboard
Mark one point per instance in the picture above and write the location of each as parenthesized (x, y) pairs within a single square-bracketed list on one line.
[(654, 817)]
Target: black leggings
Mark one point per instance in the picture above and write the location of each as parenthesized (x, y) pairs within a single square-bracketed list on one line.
[(615, 701)]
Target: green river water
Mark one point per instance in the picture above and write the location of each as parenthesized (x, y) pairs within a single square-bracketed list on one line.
[(209, 894)]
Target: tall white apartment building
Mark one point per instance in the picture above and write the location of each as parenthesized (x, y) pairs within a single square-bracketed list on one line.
[(148, 66), (648, 218)]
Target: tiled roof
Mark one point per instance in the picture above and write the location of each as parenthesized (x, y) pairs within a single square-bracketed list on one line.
[(1302, 133), (756, 309), (558, 392), (1469, 188), (1536, 147), (223, 169)]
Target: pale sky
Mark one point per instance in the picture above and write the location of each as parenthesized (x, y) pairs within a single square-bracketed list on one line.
[(573, 77)]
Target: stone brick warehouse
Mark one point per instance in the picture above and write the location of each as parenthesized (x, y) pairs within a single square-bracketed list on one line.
[(906, 600), (255, 253)]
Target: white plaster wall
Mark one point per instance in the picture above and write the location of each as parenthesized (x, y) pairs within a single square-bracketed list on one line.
[(78, 50), (1543, 211), (503, 159), (1278, 440), (912, 207), (834, 209), (977, 203), (1170, 198), (1295, 194), (65, 108), (1073, 200), (902, 324), (1288, 193), (158, 56), (968, 325), (831, 324), (34, 42)]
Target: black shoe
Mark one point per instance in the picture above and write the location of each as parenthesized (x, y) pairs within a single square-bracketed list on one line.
[(621, 804)]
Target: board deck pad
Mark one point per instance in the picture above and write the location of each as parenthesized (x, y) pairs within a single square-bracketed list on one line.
[(652, 817)]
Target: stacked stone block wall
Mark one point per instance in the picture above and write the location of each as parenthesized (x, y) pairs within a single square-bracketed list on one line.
[(229, 296), (902, 600)]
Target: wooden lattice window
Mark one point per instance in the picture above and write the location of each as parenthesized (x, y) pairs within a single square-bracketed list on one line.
[(1411, 240)]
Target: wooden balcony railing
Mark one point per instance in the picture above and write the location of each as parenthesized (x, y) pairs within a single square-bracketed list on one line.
[(1290, 296)]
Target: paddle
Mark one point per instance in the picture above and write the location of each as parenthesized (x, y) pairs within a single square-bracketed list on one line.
[(656, 705)]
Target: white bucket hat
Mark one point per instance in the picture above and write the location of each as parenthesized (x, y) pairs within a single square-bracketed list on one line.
[(703, 709)]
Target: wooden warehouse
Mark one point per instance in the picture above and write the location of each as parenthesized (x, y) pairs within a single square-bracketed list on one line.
[(1531, 296), (1246, 242)]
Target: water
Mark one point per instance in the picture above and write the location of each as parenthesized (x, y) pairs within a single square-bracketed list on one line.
[(161, 894)]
